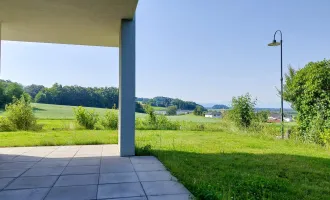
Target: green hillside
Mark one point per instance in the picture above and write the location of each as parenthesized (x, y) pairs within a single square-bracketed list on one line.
[(51, 111)]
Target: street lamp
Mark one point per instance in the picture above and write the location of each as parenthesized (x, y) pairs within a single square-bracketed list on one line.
[(275, 43)]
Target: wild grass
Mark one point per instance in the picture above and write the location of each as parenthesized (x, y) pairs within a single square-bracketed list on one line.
[(227, 165)]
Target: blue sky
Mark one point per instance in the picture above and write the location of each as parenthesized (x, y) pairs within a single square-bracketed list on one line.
[(200, 50)]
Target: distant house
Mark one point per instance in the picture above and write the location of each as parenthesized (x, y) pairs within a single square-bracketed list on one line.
[(160, 112), (213, 115), (288, 119), (274, 117), (183, 112)]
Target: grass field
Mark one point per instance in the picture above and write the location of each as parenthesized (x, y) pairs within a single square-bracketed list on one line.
[(222, 164), (49, 111), (214, 165)]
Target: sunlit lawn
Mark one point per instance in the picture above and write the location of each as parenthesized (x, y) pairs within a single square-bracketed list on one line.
[(213, 165)]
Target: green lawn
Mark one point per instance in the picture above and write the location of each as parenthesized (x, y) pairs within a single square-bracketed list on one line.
[(221, 165), (50, 111), (212, 165)]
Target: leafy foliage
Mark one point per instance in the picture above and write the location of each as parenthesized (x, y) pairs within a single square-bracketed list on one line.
[(20, 114), (199, 110), (86, 118), (6, 125), (308, 91), (242, 112), (139, 108), (33, 90), (171, 110), (155, 122), (9, 91), (166, 102), (262, 115), (220, 106), (110, 120), (104, 97)]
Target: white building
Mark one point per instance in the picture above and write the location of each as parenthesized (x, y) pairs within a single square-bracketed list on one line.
[(213, 115)]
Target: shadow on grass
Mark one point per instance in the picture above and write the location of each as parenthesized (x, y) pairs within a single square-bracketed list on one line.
[(38, 109), (247, 176)]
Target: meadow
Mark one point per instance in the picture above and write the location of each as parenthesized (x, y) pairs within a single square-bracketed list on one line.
[(216, 162)]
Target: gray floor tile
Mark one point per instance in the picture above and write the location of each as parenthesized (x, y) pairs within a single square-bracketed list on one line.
[(44, 171), (17, 165), (148, 167), (116, 167), (69, 180), (164, 188), (11, 173), (32, 182), (110, 160), (81, 170), (84, 161), (52, 163), (120, 190), (27, 194), (156, 176), (172, 197), (27, 158), (73, 193), (4, 182), (125, 177)]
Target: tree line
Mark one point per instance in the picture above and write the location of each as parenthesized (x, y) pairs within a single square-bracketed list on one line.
[(167, 101), (9, 91), (101, 97)]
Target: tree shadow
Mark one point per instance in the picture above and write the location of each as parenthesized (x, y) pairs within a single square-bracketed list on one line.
[(247, 176), (37, 109)]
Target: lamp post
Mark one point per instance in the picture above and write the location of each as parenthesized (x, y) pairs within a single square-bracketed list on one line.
[(275, 43)]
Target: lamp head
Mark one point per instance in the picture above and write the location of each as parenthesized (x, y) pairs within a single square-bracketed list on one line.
[(274, 43)]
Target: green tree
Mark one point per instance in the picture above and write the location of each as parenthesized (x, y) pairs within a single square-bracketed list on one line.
[(199, 110), (263, 115), (20, 114), (308, 91), (33, 90), (171, 110), (139, 108), (242, 112)]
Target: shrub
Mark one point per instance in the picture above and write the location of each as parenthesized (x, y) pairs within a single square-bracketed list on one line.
[(6, 125), (199, 110), (262, 116), (171, 110), (20, 114), (242, 112), (110, 120), (307, 89), (155, 122), (325, 137), (86, 118), (139, 108)]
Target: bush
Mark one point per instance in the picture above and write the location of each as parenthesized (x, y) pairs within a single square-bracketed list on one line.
[(242, 112), (20, 114), (262, 116), (199, 110), (155, 122), (86, 118), (171, 110), (6, 125), (110, 120), (307, 89), (139, 108)]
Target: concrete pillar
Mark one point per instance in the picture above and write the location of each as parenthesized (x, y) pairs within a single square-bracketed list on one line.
[(126, 127)]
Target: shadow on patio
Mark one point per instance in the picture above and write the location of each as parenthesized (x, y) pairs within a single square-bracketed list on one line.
[(83, 172)]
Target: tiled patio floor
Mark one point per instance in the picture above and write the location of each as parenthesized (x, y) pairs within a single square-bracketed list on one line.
[(84, 172)]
